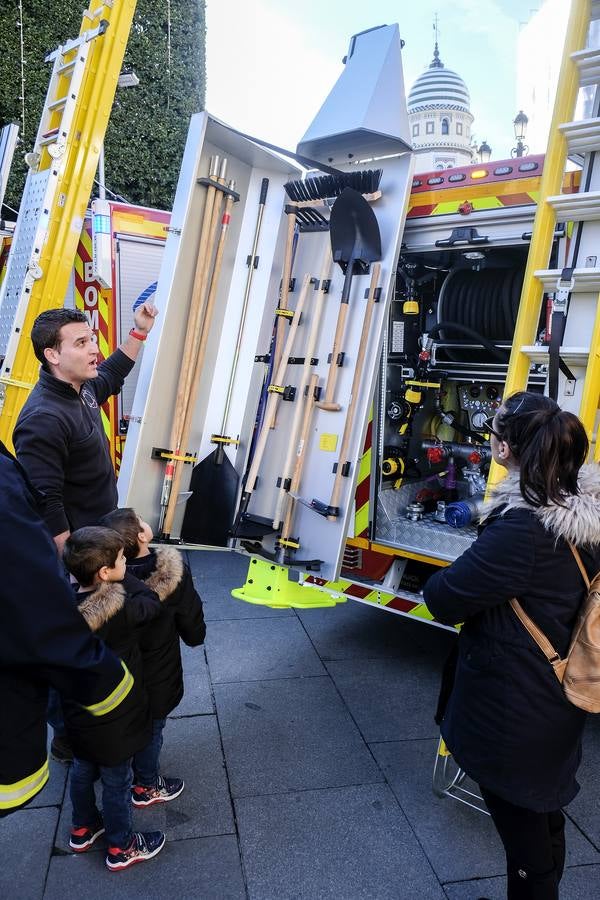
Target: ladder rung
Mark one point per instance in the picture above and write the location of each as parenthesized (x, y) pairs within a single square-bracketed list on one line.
[(584, 279), (62, 70), (582, 136), (573, 356), (49, 138), (58, 103), (578, 207), (588, 63)]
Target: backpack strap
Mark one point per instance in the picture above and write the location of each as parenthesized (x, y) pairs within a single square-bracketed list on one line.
[(539, 637), (580, 564)]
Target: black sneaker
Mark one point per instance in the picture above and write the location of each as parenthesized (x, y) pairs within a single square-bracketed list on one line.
[(60, 750), (82, 838), (166, 789), (144, 845)]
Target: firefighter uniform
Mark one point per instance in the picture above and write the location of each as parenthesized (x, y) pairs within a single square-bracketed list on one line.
[(43, 641)]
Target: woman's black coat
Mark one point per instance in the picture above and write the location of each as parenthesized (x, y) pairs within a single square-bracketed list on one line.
[(508, 723)]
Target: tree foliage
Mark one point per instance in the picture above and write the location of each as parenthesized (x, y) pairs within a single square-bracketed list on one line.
[(148, 124)]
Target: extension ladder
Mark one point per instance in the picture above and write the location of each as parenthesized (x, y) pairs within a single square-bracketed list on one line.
[(574, 287), (62, 166)]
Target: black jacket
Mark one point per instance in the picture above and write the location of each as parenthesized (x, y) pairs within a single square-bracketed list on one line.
[(164, 571), (60, 441), (43, 641), (508, 722), (115, 612)]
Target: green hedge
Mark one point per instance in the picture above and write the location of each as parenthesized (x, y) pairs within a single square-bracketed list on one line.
[(148, 124)]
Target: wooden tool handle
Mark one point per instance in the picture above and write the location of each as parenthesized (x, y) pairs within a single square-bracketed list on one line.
[(274, 397), (198, 366), (309, 353), (332, 376), (309, 405), (356, 382)]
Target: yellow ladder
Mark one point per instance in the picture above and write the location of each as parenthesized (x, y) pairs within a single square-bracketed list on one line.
[(62, 166), (580, 66)]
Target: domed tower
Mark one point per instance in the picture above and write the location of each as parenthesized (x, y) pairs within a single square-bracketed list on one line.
[(440, 118)]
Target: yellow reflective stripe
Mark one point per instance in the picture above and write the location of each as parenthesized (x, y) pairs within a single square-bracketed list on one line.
[(116, 697), (12, 795)]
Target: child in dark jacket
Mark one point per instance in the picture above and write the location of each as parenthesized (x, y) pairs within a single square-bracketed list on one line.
[(163, 570), (115, 605)]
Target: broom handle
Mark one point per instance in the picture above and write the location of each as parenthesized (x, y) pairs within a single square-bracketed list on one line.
[(236, 353), (199, 363), (309, 405), (332, 376), (285, 288), (274, 397), (356, 381), (194, 315), (304, 380)]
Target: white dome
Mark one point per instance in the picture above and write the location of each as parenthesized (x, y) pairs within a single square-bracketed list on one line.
[(438, 87)]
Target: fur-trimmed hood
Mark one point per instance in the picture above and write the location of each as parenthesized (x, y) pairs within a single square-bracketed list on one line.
[(577, 520), (168, 572), (104, 602)]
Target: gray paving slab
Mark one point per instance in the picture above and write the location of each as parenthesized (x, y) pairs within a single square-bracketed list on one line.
[(390, 699), (348, 842), (192, 751), (579, 883), (290, 734), (197, 698), (584, 810), (257, 649), (356, 631), (215, 575), (207, 867), (26, 838), (459, 842)]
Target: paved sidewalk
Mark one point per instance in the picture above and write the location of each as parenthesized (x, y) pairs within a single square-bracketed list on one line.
[(306, 742)]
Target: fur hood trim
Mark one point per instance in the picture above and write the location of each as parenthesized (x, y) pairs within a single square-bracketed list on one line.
[(102, 604), (577, 521), (168, 572)]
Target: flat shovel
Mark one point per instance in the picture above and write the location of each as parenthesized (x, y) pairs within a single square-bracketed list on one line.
[(355, 243)]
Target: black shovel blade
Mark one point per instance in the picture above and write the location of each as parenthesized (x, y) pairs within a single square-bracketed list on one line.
[(354, 230), (210, 510)]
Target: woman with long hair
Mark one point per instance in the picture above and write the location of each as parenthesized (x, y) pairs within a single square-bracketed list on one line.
[(507, 722)]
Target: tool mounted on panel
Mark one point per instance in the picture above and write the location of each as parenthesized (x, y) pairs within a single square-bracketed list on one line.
[(214, 484), (355, 244), (213, 234)]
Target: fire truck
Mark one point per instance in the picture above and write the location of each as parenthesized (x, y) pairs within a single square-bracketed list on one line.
[(335, 329)]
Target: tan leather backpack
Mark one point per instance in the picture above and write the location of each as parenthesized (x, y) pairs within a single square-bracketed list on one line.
[(579, 671)]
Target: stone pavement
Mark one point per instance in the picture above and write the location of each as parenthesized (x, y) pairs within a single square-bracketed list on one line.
[(306, 742)]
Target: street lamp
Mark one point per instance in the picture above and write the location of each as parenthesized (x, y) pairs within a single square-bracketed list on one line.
[(125, 80), (520, 126), (485, 152)]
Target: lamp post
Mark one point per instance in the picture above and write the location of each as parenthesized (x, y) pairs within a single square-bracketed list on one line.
[(485, 152), (125, 80), (520, 126)]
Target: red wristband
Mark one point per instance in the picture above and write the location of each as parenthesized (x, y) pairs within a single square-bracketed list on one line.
[(137, 335)]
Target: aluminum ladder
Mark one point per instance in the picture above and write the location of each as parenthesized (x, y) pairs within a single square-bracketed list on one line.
[(62, 165)]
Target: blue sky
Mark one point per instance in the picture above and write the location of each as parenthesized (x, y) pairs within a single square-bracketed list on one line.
[(272, 62)]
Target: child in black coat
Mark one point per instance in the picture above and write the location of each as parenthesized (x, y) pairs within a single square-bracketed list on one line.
[(163, 570), (115, 605)]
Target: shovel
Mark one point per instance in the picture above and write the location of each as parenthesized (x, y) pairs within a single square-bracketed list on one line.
[(355, 243)]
